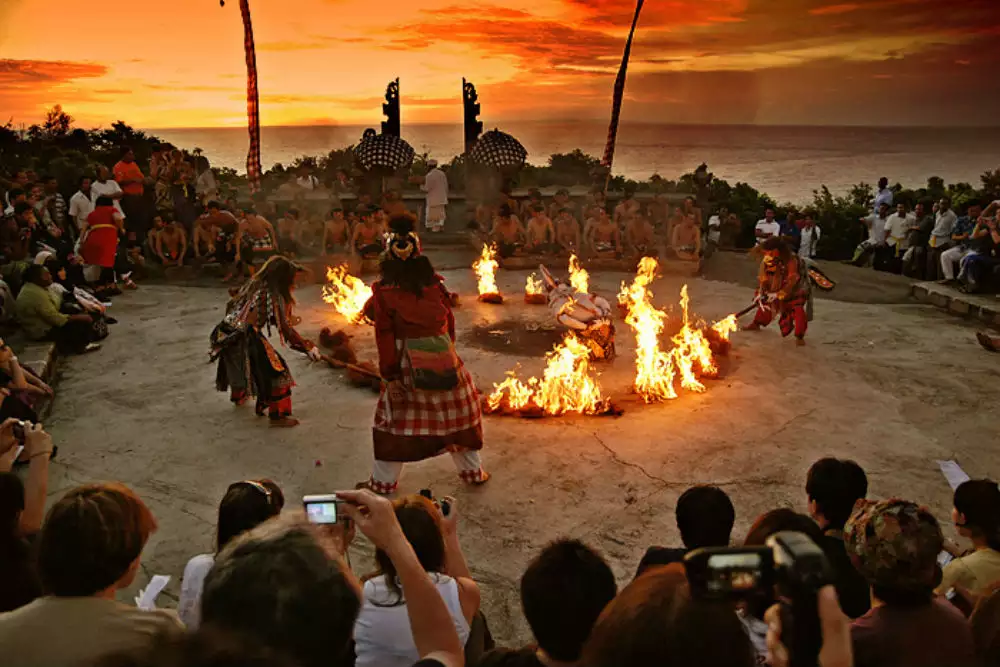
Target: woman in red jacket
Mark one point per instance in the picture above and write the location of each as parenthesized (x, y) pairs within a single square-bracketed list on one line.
[(428, 404), (99, 244)]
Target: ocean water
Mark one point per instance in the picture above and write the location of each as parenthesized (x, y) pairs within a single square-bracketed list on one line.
[(787, 163)]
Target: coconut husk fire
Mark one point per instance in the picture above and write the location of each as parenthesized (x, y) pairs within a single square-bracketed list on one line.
[(342, 355)]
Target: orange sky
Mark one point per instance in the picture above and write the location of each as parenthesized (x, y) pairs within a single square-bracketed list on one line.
[(881, 62)]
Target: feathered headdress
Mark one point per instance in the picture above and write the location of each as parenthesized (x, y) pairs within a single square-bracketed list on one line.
[(403, 242)]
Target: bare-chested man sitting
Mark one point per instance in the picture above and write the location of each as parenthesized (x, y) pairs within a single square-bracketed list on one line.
[(567, 232), (214, 233), (559, 202), (626, 209), (686, 239), (289, 232), (640, 238), (603, 238), (507, 232), (336, 233), (255, 242), (170, 243), (539, 232), (367, 241)]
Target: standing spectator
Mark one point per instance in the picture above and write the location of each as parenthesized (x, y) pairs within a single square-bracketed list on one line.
[(381, 633), (19, 181), (563, 592), (915, 257), (41, 320), (14, 195), (895, 545), (875, 243), (976, 514), (22, 506), (791, 232), (715, 227), (705, 518), (55, 203), (205, 186), (809, 236), (767, 227), (883, 196), (940, 240), (103, 187), (656, 621), (833, 487), (897, 229), (435, 184), (246, 505), (129, 177), (306, 181), (961, 238), (81, 204), (88, 550), (287, 583)]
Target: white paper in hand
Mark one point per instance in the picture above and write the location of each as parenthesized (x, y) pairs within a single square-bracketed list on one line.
[(147, 596), (953, 473)]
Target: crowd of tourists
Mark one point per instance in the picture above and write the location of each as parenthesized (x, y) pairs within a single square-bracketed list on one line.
[(280, 590)]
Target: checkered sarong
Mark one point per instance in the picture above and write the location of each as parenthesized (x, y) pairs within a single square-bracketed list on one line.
[(253, 101), (427, 423), (619, 93)]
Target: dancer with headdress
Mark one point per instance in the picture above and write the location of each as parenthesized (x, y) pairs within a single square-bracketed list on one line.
[(784, 288), (428, 404), (248, 363)]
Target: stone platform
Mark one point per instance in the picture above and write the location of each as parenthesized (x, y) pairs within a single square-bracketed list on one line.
[(982, 307)]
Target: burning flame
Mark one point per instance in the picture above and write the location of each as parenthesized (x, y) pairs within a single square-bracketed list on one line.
[(578, 276), (346, 293), (656, 369), (486, 269), (534, 285), (567, 384), (726, 327)]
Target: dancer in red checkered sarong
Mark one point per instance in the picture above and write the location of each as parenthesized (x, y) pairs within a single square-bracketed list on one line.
[(784, 288), (428, 404)]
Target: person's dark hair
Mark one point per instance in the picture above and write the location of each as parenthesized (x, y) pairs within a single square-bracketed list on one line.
[(418, 517), (765, 526), (883, 182), (124, 150), (213, 204), (292, 211), (656, 621), (22, 207), (79, 181), (166, 216), (979, 501), (538, 208), (835, 486), (14, 193), (505, 211), (207, 647), (946, 199), (278, 584), (778, 244), (247, 505), (904, 597), (46, 178), (33, 274), (11, 506), (90, 539), (705, 517), (563, 591), (336, 209), (104, 201), (412, 274)]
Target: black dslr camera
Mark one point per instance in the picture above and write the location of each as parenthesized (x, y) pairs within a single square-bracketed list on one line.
[(791, 567), (443, 504)]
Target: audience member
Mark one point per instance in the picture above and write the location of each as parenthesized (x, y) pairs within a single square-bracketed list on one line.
[(22, 506), (915, 257), (104, 187), (246, 505), (656, 621), (55, 203), (883, 196), (767, 227), (287, 584), (435, 185), (875, 244), (809, 236), (41, 320), (205, 648), (705, 518), (381, 633), (980, 264), (897, 231), (81, 204), (961, 238), (129, 177), (88, 549), (977, 516), (833, 487), (563, 591), (940, 239), (895, 545), (685, 239)]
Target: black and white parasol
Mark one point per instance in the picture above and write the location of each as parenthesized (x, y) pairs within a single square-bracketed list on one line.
[(498, 149), (383, 151)]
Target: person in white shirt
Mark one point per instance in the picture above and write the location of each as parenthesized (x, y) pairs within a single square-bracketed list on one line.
[(306, 180), (206, 186), (897, 229), (876, 237), (809, 240), (435, 184), (81, 204), (884, 195), (767, 227), (944, 223), (104, 187)]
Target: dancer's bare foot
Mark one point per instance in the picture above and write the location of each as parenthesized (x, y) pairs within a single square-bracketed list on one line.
[(284, 422), (800, 342)]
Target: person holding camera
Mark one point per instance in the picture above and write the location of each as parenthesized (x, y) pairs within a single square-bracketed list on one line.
[(22, 507), (895, 545), (381, 633), (246, 505), (705, 518)]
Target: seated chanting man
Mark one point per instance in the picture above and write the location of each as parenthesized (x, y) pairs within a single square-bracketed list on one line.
[(367, 241), (639, 236), (685, 239), (507, 233), (603, 238), (170, 242), (288, 233), (539, 232), (336, 233), (567, 232)]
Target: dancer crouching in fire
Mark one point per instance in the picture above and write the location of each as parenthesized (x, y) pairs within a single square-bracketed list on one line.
[(783, 286), (248, 363), (428, 404)]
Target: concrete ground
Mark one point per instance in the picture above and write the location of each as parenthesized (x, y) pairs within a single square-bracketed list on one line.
[(892, 384)]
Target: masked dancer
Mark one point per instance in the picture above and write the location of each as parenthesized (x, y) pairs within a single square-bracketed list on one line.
[(248, 363), (428, 404), (784, 287)]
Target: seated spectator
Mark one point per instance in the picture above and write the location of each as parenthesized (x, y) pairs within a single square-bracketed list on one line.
[(381, 633), (206, 648), (567, 232), (507, 232), (41, 320), (287, 584), (961, 237), (919, 234), (656, 621), (88, 549), (366, 240), (640, 238), (288, 233), (685, 240), (976, 514), (979, 265), (245, 506), (895, 545), (170, 242), (563, 591), (833, 487), (705, 518), (874, 247), (985, 622), (68, 293), (602, 237), (336, 233), (22, 506), (539, 231), (24, 388)]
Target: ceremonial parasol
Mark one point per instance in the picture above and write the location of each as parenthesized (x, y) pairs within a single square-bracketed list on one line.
[(383, 151), (498, 149)]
